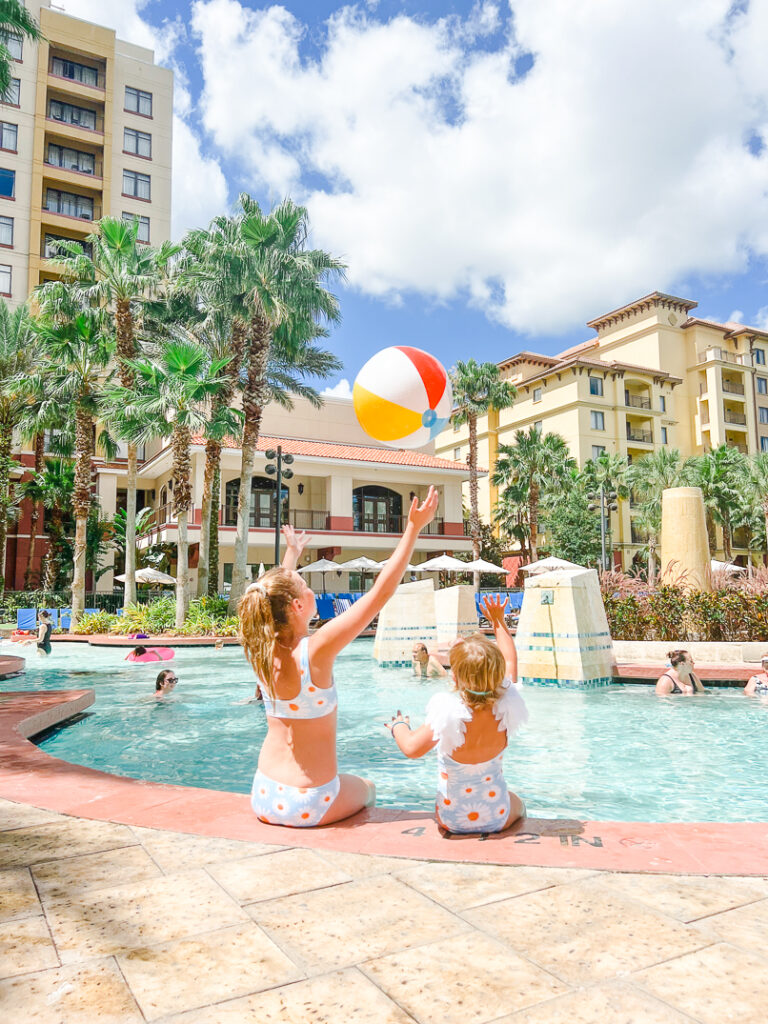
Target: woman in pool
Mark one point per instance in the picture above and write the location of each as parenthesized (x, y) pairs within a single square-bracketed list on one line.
[(165, 683), (758, 683), (44, 633), (470, 728), (679, 677), (297, 782), (425, 664), (143, 655)]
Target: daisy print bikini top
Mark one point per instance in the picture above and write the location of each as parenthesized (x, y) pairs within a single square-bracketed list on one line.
[(310, 702)]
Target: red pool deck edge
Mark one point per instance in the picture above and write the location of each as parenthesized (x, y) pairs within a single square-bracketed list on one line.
[(30, 776)]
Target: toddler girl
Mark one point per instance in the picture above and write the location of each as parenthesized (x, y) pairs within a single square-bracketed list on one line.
[(470, 728)]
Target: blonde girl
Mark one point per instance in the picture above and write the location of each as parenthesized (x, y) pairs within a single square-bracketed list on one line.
[(470, 728), (297, 782)]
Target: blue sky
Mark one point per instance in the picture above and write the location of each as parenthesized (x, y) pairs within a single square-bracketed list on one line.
[(495, 173)]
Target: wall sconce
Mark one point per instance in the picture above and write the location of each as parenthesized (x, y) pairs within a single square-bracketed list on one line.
[(300, 488), (412, 495)]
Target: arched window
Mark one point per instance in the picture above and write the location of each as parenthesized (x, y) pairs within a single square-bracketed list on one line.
[(377, 509), (263, 508)]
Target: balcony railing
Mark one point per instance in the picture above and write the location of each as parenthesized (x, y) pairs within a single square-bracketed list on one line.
[(76, 117), (732, 388), (93, 168), (737, 359), (396, 524), (738, 445), (637, 401), (73, 71), (48, 247), (644, 436), (735, 417), (68, 204), (300, 518)]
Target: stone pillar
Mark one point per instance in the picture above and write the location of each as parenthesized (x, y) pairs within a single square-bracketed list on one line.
[(407, 618), (562, 635), (455, 613), (339, 492), (684, 544)]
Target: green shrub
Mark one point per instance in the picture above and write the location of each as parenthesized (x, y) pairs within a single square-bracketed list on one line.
[(673, 614), (100, 622)]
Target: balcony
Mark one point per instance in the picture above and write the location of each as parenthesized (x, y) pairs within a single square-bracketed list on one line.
[(396, 524), (73, 161), (735, 417), (69, 204), (731, 387), (738, 445), (70, 71), (735, 358), (68, 115), (47, 250), (636, 401), (641, 436), (299, 518)]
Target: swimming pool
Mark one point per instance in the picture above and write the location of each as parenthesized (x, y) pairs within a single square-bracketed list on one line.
[(617, 753)]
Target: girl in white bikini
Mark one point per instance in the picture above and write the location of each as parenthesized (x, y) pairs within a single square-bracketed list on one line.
[(297, 782), (470, 728)]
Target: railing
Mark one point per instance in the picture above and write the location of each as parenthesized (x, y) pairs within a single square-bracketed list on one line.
[(72, 71), (735, 417), (396, 524), (300, 518), (77, 117), (738, 446), (645, 436), (467, 528), (736, 359), (64, 207), (732, 388), (47, 251), (95, 171), (636, 402)]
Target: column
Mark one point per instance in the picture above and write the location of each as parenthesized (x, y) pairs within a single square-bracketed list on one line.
[(107, 495), (452, 511), (339, 492)]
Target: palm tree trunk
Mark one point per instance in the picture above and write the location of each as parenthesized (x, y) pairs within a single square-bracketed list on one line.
[(52, 558), (254, 400), (651, 562), (212, 457), (126, 349), (81, 506), (474, 517), (213, 565), (6, 445), (34, 518), (181, 443), (533, 515), (727, 548), (182, 569)]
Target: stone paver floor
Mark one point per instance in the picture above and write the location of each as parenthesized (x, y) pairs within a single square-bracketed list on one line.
[(110, 923)]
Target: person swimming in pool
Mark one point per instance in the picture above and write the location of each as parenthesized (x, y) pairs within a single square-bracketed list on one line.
[(426, 665), (758, 683), (165, 683), (145, 655), (679, 676)]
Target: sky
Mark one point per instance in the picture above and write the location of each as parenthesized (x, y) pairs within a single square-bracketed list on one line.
[(494, 173)]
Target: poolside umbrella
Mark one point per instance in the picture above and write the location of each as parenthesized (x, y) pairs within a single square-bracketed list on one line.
[(443, 563), (550, 565), (152, 576), (729, 567), (362, 564), (480, 565), (261, 571), (322, 565)]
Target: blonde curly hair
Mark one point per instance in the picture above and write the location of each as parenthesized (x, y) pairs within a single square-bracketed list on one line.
[(478, 668), (263, 611)]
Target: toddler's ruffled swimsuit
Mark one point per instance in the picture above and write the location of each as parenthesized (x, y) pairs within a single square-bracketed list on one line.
[(275, 802), (472, 797)]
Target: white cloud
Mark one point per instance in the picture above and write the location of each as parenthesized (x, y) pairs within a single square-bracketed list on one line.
[(761, 319), (736, 317), (616, 165), (341, 390), (199, 185)]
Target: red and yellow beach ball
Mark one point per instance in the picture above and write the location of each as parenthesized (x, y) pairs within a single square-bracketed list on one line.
[(402, 397)]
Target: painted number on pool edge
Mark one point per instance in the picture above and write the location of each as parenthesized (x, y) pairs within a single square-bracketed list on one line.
[(527, 837)]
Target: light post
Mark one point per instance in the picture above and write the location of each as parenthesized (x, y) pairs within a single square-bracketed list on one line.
[(605, 504), (275, 468)]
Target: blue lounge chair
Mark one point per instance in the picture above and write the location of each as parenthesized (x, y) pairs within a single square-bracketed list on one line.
[(325, 608), (65, 618), (26, 618), (54, 613)]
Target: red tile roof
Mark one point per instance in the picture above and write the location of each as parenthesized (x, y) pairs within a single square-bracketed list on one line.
[(349, 452)]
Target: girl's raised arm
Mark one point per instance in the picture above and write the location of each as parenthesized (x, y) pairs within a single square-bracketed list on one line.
[(334, 636), (493, 610)]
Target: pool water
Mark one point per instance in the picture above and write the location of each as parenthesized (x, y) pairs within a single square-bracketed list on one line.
[(616, 753)]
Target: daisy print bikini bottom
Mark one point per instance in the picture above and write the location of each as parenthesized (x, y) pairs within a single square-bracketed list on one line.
[(278, 804)]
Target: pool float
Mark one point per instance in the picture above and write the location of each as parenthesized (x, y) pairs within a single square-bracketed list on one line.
[(153, 654), (22, 634)]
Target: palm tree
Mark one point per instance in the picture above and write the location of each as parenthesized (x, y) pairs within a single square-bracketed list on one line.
[(15, 20), (647, 519), (78, 354), (647, 479), (539, 461), (285, 286), (477, 389), (169, 399), (123, 275), (511, 515), (17, 360), (722, 474), (55, 485), (758, 468)]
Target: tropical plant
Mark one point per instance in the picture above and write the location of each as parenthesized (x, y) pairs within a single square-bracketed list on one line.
[(510, 515), (55, 486), (169, 399), (15, 20), (77, 356), (758, 471), (573, 532), (722, 474), (122, 275), (539, 462), (477, 390), (144, 520)]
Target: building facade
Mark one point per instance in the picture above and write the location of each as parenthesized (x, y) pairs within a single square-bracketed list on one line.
[(85, 131), (653, 375)]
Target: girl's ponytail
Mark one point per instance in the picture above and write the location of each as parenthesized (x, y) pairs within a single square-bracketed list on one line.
[(263, 610)]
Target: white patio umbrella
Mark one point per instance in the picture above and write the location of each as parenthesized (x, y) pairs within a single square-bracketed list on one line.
[(408, 568), (149, 576), (442, 563), (261, 571), (550, 565), (322, 565), (718, 566), (480, 565), (361, 564)]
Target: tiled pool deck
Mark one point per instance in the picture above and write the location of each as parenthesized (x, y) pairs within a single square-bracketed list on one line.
[(112, 910)]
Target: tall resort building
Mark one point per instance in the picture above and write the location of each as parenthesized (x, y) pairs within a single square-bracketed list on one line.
[(85, 130), (653, 375)]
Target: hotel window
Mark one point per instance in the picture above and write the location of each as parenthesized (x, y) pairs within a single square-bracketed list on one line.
[(537, 394), (760, 357), (762, 385), (138, 102), (6, 231), (12, 43), (9, 134), (135, 184), (763, 414), (596, 386), (764, 444), (7, 183), (597, 420), (71, 159), (664, 435), (457, 454), (143, 233), (663, 403), (50, 249), (138, 143), (68, 113), (597, 451), (68, 204), (456, 425), (12, 94), (83, 73), (538, 425), (5, 279)]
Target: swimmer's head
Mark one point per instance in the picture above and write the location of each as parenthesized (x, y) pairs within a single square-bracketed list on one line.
[(138, 651), (678, 659), (166, 680), (478, 669), (764, 660), (45, 616), (420, 653)]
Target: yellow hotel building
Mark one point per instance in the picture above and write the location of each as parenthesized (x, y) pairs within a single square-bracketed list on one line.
[(85, 130), (654, 374)]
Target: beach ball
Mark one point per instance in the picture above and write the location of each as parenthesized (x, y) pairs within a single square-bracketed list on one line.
[(402, 397)]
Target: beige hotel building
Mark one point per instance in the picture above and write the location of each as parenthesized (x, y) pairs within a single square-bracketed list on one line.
[(85, 130), (653, 374)]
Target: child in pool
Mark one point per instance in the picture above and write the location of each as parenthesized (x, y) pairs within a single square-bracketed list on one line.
[(297, 782), (470, 728)]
